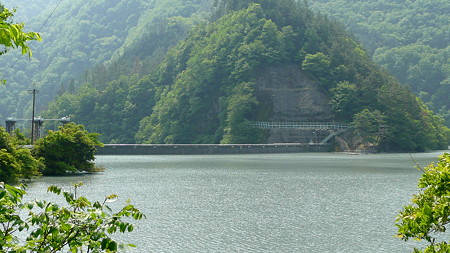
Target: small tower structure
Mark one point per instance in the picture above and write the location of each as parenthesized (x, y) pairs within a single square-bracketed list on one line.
[(10, 125)]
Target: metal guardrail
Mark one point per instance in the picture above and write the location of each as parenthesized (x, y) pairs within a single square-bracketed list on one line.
[(298, 125)]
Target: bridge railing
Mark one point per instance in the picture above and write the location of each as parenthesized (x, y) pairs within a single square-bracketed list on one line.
[(298, 125)]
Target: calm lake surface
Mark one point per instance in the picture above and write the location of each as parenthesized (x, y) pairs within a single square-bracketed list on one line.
[(309, 202)]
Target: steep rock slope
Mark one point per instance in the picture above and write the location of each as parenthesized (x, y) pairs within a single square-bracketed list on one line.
[(288, 95), (293, 94)]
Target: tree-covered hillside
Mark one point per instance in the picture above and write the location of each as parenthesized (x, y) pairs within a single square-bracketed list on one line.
[(80, 35), (77, 36), (177, 71), (410, 39), (112, 103), (204, 91)]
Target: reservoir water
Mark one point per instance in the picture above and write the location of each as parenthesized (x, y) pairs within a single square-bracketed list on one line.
[(308, 202)]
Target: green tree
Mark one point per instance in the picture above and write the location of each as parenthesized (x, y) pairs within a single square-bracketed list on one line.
[(71, 149), (319, 65), (407, 38), (429, 213), (370, 126), (15, 162), (200, 101), (241, 103), (9, 168), (79, 225), (12, 35), (187, 99), (345, 100), (201, 74), (411, 125)]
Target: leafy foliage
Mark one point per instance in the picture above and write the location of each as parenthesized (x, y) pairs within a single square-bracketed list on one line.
[(370, 126), (221, 57), (408, 38), (114, 97), (114, 111), (12, 35), (429, 213), (69, 150), (135, 35), (8, 166), (78, 226), (344, 98), (239, 105), (15, 161), (204, 89), (317, 64), (412, 126), (206, 71)]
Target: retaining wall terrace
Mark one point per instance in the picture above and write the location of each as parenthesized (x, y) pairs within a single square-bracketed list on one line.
[(200, 149)]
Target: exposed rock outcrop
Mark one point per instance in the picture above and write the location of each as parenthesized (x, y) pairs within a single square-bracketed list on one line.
[(291, 95), (294, 95)]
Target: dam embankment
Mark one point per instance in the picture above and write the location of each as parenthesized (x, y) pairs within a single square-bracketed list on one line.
[(201, 149)]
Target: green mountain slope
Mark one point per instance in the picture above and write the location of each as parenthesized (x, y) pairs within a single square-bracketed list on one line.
[(211, 95), (410, 39), (206, 89), (80, 35), (77, 36), (114, 105), (212, 83)]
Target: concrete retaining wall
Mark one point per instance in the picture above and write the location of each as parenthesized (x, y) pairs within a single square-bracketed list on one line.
[(190, 149)]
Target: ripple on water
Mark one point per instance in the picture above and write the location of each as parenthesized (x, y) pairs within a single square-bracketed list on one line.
[(259, 203)]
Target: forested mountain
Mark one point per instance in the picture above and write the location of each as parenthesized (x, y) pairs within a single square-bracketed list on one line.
[(77, 36), (80, 35), (174, 71), (205, 89), (410, 39)]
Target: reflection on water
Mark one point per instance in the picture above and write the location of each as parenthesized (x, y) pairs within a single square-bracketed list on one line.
[(258, 203)]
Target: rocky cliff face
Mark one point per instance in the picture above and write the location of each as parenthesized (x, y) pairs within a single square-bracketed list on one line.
[(292, 95)]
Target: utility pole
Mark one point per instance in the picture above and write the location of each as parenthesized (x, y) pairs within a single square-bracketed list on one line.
[(33, 91)]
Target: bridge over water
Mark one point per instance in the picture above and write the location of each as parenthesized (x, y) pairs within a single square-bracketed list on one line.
[(334, 127)]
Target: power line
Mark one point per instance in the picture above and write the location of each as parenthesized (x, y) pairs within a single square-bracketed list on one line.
[(48, 18), (34, 90), (40, 29)]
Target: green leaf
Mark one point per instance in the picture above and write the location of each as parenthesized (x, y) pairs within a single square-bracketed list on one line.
[(105, 243), (111, 198), (54, 189), (112, 246), (130, 227)]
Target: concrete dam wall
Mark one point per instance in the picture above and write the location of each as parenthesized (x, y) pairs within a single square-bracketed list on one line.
[(201, 149)]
